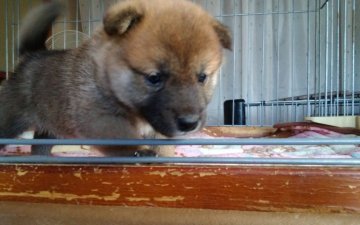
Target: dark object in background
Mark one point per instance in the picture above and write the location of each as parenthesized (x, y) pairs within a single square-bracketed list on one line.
[(2, 76), (234, 109)]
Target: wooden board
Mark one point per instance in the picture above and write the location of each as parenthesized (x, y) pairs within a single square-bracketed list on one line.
[(338, 121), (249, 188), (20, 213)]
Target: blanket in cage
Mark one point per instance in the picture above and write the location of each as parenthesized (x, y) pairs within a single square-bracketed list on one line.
[(291, 130)]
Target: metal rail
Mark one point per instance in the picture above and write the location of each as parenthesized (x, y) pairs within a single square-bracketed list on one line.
[(175, 160), (216, 141)]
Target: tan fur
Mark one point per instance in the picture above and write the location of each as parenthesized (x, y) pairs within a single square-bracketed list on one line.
[(177, 31)]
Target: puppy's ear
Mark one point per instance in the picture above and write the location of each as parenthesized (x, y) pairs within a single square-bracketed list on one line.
[(224, 34), (119, 20)]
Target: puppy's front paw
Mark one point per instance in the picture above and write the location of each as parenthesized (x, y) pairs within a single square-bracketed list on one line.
[(145, 153)]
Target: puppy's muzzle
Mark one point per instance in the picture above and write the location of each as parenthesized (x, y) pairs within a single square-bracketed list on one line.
[(188, 123)]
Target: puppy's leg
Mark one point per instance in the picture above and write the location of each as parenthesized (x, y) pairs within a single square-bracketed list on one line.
[(12, 122), (125, 151), (163, 150), (42, 149)]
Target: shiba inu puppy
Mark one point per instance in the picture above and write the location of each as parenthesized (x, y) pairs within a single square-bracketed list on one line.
[(150, 69)]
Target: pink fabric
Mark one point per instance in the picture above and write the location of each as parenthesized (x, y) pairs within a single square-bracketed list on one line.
[(263, 151)]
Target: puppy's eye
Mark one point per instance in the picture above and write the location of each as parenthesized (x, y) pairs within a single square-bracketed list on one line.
[(155, 79), (202, 77)]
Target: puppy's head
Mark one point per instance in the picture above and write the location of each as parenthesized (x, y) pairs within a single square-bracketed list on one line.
[(161, 59)]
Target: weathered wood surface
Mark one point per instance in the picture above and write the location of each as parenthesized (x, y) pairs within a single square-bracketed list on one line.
[(21, 213), (296, 189)]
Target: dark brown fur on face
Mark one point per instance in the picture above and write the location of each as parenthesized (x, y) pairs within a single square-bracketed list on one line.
[(152, 68)]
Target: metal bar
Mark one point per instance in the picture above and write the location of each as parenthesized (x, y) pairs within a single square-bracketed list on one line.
[(272, 114), (257, 113), (135, 142), (262, 74), (292, 78), (332, 71), (18, 26), (13, 46), (324, 4), (53, 35), (326, 59), (176, 160), (338, 56), (64, 31), (220, 93), (248, 117), (308, 62), (234, 65), (248, 72), (289, 102), (6, 40), (345, 61), (353, 25), (77, 24), (318, 57), (2, 20), (268, 13), (89, 17), (81, 20), (278, 64), (288, 109)]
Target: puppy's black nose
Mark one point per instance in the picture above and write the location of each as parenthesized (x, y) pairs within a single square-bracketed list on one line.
[(188, 123)]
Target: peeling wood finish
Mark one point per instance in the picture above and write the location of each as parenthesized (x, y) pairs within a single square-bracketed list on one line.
[(296, 189)]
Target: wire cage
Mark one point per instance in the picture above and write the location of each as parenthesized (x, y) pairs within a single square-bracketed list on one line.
[(291, 59)]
